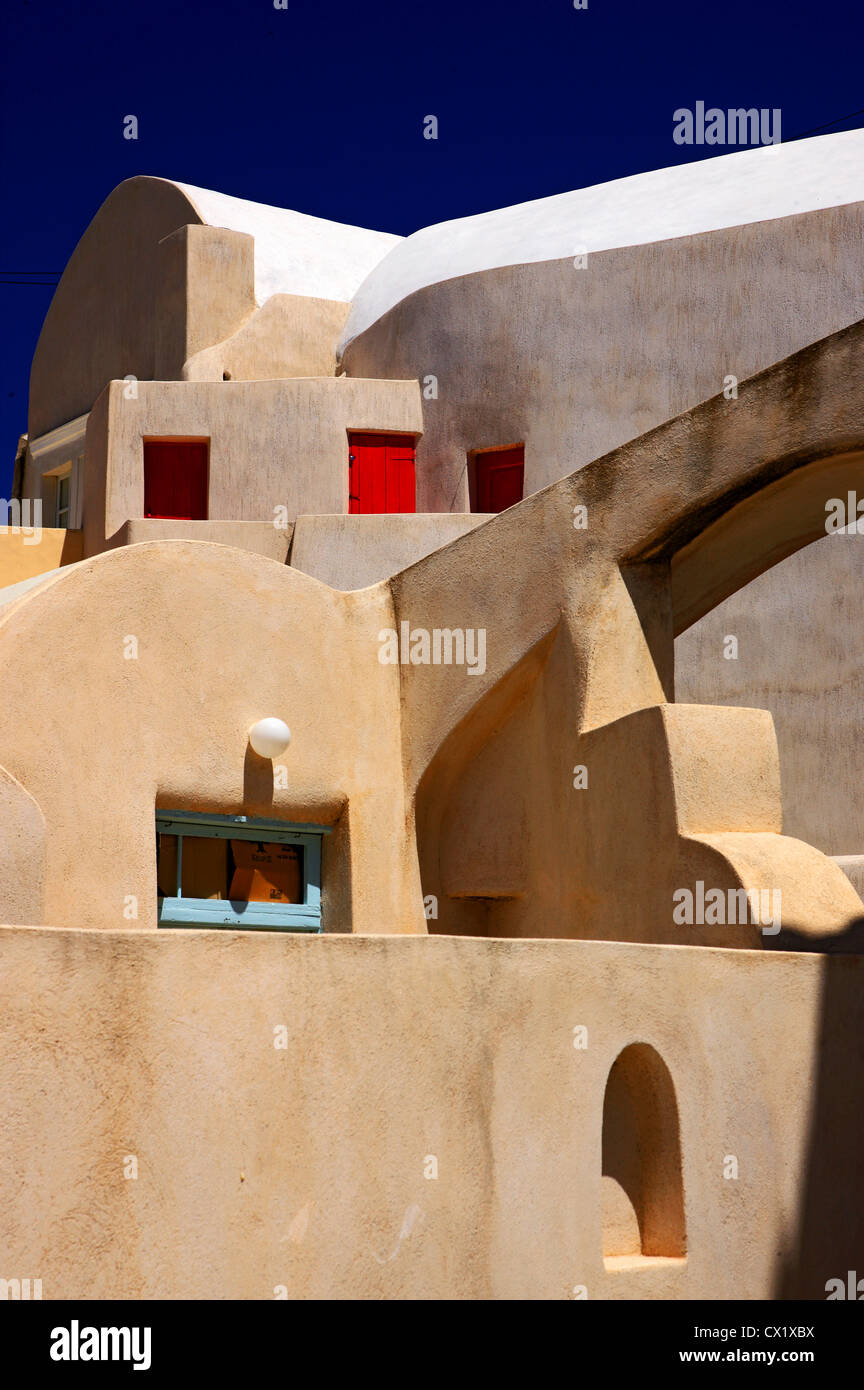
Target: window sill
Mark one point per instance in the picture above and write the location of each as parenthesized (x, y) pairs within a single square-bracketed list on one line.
[(216, 912), (612, 1263)]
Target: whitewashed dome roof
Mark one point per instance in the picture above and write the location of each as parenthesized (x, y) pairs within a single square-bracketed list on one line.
[(726, 191), (295, 253)]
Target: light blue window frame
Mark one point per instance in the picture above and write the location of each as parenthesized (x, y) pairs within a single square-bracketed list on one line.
[(217, 912)]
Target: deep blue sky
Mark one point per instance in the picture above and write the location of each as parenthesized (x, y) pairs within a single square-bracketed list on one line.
[(320, 107)]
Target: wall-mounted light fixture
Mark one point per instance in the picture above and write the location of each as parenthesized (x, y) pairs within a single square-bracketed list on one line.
[(269, 737)]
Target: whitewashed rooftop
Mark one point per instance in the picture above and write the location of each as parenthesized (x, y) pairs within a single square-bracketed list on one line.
[(295, 253), (725, 191), (373, 271)]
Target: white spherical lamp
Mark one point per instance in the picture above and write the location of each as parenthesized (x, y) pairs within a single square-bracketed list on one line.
[(269, 737)]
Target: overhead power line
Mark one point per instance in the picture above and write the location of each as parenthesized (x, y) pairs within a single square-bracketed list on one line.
[(815, 131)]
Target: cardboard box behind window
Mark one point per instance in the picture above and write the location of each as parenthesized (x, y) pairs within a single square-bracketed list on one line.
[(267, 873)]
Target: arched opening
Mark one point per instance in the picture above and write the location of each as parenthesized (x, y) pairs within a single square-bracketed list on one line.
[(643, 1190), (756, 533), (765, 602)]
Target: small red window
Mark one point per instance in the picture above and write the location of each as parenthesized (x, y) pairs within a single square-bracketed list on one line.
[(175, 478), (380, 473), (499, 477)]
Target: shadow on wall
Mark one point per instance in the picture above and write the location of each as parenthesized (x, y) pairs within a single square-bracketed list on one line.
[(828, 1238), (784, 643), (502, 756)]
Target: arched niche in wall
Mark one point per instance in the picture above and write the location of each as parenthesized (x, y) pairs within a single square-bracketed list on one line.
[(643, 1190)]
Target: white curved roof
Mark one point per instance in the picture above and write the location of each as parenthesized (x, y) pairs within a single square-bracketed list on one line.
[(295, 253), (727, 191)]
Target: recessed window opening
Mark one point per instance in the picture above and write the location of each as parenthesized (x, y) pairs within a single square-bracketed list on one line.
[(63, 501), (176, 478), (215, 870), (496, 478), (381, 474)]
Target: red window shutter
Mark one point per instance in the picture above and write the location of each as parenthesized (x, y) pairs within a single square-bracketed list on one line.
[(381, 474), (377, 478), (353, 480), (500, 479), (400, 478), (175, 478)]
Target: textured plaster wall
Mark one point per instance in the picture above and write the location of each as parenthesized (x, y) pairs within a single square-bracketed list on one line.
[(162, 656), (797, 627), (575, 362), (22, 853), (272, 443), (165, 272), (578, 652), (289, 336), (206, 290), (107, 303), (304, 1166), (261, 537), (577, 669), (350, 552)]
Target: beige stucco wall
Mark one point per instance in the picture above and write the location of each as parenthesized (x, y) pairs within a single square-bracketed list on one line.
[(798, 655), (22, 853), (273, 444), (304, 1167), (153, 292), (290, 335), (211, 326), (577, 669), (108, 302), (261, 537), (187, 645), (206, 288), (580, 672), (350, 552), (575, 362)]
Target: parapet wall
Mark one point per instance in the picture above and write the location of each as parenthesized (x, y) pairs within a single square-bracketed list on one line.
[(286, 1104)]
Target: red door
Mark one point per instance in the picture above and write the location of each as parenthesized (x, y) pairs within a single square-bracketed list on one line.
[(175, 478), (500, 477), (380, 473)]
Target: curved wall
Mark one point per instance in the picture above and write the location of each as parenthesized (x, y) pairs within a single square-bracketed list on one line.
[(161, 657), (575, 362), (103, 317), (797, 628)]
